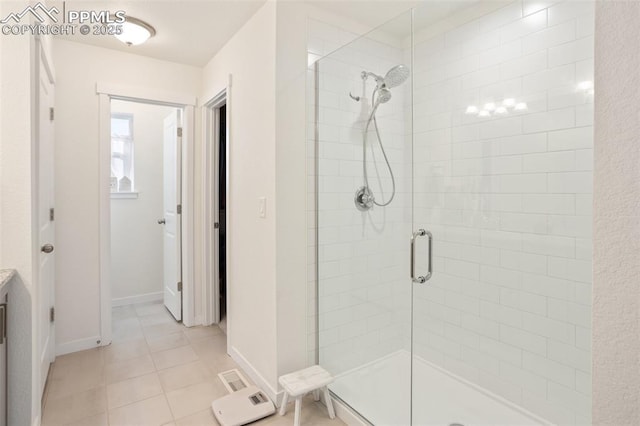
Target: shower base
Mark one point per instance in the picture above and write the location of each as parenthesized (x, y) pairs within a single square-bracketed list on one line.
[(379, 392)]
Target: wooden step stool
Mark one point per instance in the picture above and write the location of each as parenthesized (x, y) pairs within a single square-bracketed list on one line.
[(298, 384)]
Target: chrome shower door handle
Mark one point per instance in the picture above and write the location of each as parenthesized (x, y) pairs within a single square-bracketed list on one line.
[(425, 278)]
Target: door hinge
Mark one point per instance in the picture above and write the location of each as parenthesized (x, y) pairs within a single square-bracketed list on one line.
[(179, 132), (52, 314), (3, 322), (179, 208), (52, 214), (51, 114), (179, 285)]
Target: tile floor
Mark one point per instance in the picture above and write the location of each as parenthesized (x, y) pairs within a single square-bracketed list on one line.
[(156, 372)]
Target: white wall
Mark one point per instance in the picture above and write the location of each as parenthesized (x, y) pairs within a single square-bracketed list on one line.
[(251, 270), (77, 199), (616, 294), (136, 236), (16, 236), (17, 239)]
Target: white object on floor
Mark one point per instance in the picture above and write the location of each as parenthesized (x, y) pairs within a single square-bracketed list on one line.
[(244, 404), (296, 385)]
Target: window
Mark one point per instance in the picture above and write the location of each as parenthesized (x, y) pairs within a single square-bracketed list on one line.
[(122, 172)]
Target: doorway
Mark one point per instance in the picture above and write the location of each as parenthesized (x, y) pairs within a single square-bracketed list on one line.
[(217, 287), (221, 189), (145, 194)]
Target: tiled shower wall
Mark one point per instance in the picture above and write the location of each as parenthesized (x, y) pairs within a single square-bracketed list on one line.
[(508, 198), (364, 297)]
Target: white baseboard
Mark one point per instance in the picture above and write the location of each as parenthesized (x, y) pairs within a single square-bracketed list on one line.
[(257, 378), (77, 345), (141, 298), (347, 415)]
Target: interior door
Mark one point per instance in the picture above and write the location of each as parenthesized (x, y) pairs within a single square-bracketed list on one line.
[(45, 217), (172, 213)]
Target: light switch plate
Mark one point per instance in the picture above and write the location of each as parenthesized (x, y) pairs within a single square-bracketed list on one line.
[(262, 207)]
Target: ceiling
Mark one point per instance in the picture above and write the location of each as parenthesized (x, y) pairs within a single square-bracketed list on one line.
[(193, 31), (188, 31)]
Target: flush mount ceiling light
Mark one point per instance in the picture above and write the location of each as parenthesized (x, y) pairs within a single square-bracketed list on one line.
[(135, 31)]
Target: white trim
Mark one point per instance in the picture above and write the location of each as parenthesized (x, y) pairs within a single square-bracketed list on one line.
[(124, 195), (210, 244), (104, 171), (188, 216), (145, 94), (78, 345), (106, 92), (347, 415), (141, 298), (257, 378)]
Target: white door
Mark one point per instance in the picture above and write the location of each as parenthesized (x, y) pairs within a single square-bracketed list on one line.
[(171, 192), (45, 218)]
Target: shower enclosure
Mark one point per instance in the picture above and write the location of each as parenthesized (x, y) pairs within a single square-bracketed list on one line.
[(463, 296)]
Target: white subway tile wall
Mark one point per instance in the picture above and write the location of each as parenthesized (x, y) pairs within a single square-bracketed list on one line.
[(507, 196), (512, 300)]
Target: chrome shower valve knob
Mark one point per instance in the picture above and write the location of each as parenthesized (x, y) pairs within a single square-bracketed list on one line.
[(363, 199)]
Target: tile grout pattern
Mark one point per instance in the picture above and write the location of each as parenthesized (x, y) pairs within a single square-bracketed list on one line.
[(156, 372), (508, 199)]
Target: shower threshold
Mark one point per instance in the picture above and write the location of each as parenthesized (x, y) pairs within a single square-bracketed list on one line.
[(379, 391)]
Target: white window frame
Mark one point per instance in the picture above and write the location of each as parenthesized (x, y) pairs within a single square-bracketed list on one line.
[(128, 161)]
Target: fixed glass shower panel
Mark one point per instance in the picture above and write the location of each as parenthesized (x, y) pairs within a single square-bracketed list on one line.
[(364, 216), (503, 149)]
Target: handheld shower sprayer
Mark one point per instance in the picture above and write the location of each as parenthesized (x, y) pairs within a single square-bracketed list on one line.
[(364, 198)]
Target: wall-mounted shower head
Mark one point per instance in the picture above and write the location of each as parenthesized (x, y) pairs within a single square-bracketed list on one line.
[(396, 76)]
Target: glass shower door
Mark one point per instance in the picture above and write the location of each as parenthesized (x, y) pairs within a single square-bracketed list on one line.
[(363, 218), (502, 172)]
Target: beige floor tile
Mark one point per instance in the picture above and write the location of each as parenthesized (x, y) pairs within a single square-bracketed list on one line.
[(120, 351), (69, 381), (184, 375), (89, 359), (127, 369), (201, 418), (312, 414), (159, 318), (173, 357), (214, 344), (196, 333), (133, 390), (143, 309), (169, 424), (191, 399), (150, 412), (217, 363), (123, 312), (97, 420), (75, 407), (169, 341), (162, 329), (126, 329)]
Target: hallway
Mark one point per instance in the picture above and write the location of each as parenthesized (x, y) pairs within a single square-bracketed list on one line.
[(156, 372)]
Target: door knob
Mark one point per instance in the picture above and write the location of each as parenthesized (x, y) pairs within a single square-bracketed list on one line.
[(161, 221), (47, 248)]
